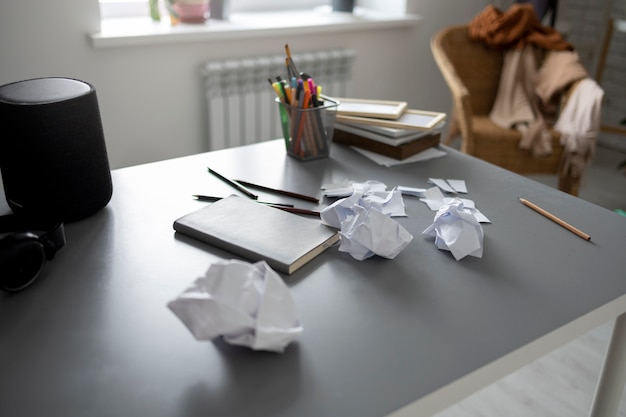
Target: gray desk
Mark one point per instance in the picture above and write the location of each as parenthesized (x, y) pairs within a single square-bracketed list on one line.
[(403, 337)]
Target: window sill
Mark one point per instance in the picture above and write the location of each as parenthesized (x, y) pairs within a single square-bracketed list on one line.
[(143, 31)]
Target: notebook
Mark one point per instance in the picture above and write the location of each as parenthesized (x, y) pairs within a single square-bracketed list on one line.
[(255, 231)]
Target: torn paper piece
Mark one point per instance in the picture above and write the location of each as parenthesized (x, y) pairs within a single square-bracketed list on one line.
[(369, 186), (347, 188), (370, 232), (445, 187), (247, 304), (456, 229), (417, 192), (387, 202), (449, 185), (435, 199), (342, 189), (458, 185), (334, 214)]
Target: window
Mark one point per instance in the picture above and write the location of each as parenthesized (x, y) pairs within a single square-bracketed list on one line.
[(135, 8), (127, 22)]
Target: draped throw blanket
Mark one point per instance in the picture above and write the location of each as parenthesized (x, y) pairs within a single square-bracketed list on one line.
[(515, 28), (579, 125), (530, 90)]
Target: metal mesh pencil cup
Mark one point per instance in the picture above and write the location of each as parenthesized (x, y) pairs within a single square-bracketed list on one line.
[(308, 132)]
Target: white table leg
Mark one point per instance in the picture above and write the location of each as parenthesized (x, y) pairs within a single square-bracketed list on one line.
[(613, 376)]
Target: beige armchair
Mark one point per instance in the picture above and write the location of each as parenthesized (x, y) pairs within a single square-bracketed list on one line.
[(472, 72)]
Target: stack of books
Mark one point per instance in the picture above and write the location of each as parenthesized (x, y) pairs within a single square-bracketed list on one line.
[(386, 127)]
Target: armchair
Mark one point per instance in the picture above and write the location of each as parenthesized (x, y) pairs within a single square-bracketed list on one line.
[(472, 71)]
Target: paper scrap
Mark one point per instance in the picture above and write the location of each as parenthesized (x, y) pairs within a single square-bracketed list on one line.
[(449, 185), (458, 185), (247, 304), (417, 192), (387, 202), (435, 199), (347, 188), (456, 229), (442, 184)]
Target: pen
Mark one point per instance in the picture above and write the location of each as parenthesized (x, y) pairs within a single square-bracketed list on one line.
[(277, 191), (277, 87), (555, 219), (214, 199), (235, 185), (284, 117)]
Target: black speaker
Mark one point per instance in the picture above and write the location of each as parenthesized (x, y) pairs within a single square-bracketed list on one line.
[(53, 155)]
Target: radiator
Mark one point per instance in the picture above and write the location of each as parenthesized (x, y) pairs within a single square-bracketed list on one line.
[(240, 101)]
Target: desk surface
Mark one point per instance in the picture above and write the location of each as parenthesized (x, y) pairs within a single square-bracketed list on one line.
[(93, 336)]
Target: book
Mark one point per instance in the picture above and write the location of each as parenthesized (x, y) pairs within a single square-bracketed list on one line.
[(410, 119), (400, 151), (381, 137), (257, 232), (390, 131)]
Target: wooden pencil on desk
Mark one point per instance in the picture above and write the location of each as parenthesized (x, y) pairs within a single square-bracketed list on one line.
[(555, 219)]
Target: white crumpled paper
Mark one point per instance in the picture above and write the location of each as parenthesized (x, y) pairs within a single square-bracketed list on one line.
[(456, 229), (366, 227), (247, 304), (349, 187), (434, 198)]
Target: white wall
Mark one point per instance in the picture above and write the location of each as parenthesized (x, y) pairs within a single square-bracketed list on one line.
[(151, 98)]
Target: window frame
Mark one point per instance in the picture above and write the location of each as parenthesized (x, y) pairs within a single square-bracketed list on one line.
[(111, 9)]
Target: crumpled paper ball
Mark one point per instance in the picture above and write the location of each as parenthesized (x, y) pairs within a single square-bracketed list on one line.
[(456, 229), (247, 304), (365, 232)]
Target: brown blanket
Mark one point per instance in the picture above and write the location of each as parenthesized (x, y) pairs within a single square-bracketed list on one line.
[(515, 28)]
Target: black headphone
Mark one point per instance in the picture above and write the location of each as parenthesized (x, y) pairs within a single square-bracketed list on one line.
[(25, 250)]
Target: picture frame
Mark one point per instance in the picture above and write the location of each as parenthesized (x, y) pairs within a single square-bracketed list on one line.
[(410, 120), (382, 109)]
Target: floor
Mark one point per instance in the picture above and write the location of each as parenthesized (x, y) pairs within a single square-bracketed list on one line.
[(562, 383)]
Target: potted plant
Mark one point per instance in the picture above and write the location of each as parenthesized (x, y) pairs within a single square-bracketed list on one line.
[(186, 11)]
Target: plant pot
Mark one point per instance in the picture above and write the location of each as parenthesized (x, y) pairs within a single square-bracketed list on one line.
[(191, 11), (220, 9), (343, 5)]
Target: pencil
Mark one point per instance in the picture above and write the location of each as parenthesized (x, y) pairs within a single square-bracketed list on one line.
[(235, 185), (277, 191), (213, 199), (555, 219)]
